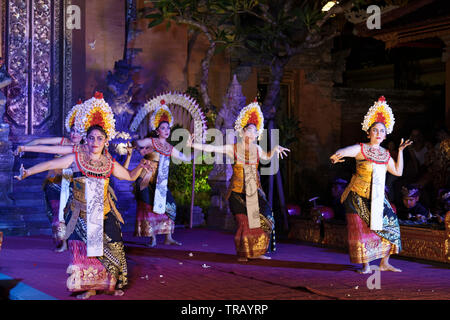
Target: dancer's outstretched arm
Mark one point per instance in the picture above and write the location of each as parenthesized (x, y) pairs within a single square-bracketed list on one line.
[(396, 167), (278, 150), (53, 140), (226, 149), (62, 150), (123, 174), (59, 163), (350, 151)]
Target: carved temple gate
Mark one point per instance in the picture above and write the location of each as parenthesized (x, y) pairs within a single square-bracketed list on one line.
[(38, 58)]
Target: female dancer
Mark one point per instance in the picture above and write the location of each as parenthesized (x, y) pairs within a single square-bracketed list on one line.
[(247, 200), (373, 230), (156, 208), (93, 230), (53, 181)]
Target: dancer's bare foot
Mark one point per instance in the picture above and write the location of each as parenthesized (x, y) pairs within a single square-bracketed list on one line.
[(365, 269), (119, 293), (242, 259), (62, 247), (170, 241), (86, 295), (152, 243), (388, 267), (262, 257)]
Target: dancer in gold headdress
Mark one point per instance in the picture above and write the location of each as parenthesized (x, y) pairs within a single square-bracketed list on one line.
[(92, 222), (255, 235), (373, 229)]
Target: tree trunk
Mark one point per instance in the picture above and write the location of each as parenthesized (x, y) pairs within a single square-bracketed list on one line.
[(205, 74), (274, 87)]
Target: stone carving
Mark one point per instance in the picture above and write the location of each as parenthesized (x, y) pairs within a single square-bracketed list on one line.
[(119, 93)]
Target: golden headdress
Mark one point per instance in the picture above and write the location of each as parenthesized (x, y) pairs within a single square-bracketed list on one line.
[(70, 119), (96, 111), (379, 112), (251, 114), (160, 115)]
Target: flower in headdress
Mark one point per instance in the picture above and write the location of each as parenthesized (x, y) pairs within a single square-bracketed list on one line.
[(250, 114), (379, 112), (70, 119), (162, 114), (96, 111)]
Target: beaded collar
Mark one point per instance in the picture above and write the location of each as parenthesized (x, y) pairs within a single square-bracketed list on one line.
[(101, 168), (375, 155), (164, 149)]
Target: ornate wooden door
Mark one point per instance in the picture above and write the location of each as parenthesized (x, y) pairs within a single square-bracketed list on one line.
[(36, 47)]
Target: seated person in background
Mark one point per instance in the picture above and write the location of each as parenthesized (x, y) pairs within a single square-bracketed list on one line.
[(410, 208), (443, 206), (337, 188)]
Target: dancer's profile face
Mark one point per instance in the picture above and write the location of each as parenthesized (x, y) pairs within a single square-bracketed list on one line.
[(377, 133), (75, 136), (96, 141), (164, 130), (250, 133)]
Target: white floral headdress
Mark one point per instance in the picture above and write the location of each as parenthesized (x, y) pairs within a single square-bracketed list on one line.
[(379, 112), (71, 116), (250, 114), (96, 111), (160, 115)]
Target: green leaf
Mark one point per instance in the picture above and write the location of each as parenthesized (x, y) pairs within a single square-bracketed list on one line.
[(155, 22)]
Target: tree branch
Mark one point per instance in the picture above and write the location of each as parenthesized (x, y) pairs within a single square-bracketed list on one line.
[(337, 8)]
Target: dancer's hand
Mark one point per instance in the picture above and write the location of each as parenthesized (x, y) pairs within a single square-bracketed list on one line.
[(336, 158), (23, 173), (281, 151), (403, 145), (129, 149), (145, 164), (19, 151)]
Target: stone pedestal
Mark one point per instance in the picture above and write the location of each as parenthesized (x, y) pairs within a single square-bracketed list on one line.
[(219, 214), (6, 165)]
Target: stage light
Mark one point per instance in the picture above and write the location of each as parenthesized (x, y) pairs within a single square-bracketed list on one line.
[(329, 5)]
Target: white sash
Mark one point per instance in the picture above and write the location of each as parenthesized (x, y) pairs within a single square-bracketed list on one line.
[(65, 192), (377, 197), (251, 196), (95, 193), (159, 201)]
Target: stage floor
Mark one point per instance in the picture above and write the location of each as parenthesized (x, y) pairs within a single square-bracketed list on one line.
[(206, 268)]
